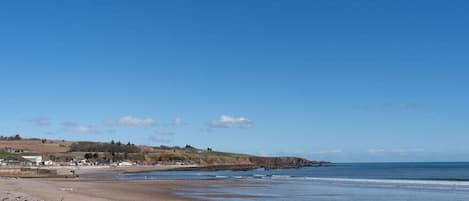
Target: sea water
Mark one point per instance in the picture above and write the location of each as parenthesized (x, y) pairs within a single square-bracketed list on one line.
[(340, 182)]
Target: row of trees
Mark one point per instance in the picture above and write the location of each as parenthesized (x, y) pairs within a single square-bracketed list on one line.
[(15, 137), (91, 156), (112, 147), (112, 151)]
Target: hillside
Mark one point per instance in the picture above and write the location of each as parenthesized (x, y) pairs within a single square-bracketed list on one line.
[(37, 145), (64, 151)]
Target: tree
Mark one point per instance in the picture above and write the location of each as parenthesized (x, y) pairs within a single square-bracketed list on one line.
[(17, 137), (88, 156), (95, 155)]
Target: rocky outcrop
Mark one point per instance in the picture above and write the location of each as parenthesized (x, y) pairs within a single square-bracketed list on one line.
[(255, 162), (283, 162)]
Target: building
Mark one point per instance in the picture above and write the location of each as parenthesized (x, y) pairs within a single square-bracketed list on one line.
[(35, 160), (15, 162), (125, 163), (49, 163)]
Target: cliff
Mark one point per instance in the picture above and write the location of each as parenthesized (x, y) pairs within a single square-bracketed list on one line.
[(283, 162), (255, 162)]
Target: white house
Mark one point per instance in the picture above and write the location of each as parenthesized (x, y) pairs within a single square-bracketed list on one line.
[(49, 163), (35, 160), (125, 163)]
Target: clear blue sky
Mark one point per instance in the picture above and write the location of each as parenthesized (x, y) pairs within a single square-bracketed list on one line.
[(331, 80)]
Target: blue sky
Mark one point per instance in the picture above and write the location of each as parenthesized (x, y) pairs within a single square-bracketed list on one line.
[(331, 80)]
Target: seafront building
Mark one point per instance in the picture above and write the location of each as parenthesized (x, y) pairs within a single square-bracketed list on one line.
[(35, 160)]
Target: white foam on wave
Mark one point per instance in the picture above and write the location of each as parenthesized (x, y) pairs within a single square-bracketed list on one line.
[(281, 177), (391, 181)]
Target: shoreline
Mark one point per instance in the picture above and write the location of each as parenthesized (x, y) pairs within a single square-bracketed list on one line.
[(117, 169), (101, 184)]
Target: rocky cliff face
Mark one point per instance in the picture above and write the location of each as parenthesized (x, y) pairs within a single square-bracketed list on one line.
[(282, 162), (254, 162)]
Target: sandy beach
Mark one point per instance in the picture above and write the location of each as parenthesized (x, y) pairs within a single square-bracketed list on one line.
[(93, 190), (99, 184), (95, 183)]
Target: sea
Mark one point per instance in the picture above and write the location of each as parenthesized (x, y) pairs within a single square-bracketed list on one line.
[(442, 181)]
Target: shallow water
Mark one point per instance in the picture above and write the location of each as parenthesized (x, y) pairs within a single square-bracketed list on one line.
[(343, 182)]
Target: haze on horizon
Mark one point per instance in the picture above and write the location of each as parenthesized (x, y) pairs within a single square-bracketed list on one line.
[(332, 80)]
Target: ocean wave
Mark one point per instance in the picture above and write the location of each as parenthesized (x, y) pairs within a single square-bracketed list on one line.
[(392, 181), (430, 181)]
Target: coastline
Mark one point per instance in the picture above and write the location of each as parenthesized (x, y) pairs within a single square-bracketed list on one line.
[(335, 183), (101, 184)]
